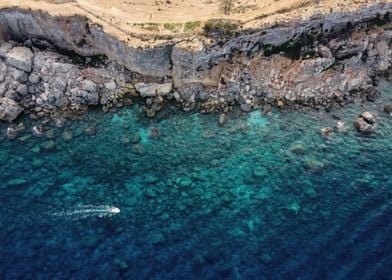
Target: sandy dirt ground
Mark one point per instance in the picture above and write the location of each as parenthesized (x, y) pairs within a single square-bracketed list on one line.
[(124, 18)]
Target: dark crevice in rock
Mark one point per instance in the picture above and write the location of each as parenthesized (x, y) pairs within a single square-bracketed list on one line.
[(84, 61), (43, 44)]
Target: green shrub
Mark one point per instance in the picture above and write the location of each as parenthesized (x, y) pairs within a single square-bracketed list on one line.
[(169, 26), (220, 27), (191, 25)]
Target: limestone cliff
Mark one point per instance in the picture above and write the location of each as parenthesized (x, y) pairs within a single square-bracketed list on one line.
[(321, 61)]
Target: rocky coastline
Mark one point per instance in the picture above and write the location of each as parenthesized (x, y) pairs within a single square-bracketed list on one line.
[(53, 66)]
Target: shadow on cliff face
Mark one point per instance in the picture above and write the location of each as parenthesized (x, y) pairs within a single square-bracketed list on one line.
[(78, 34), (44, 43)]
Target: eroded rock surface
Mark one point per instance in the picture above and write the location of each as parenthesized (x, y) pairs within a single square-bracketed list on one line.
[(323, 62), (21, 58), (153, 89), (9, 109), (365, 123)]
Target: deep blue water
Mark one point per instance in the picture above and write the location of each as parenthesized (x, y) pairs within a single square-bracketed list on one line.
[(260, 198)]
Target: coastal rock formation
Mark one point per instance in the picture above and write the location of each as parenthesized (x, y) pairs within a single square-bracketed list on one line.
[(46, 81), (76, 33), (9, 109), (153, 89), (68, 63), (365, 123), (20, 58), (388, 109)]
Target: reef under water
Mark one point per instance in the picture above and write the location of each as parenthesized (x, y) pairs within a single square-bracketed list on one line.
[(180, 197)]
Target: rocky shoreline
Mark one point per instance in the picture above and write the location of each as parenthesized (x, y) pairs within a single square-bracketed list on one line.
[(323, 63)]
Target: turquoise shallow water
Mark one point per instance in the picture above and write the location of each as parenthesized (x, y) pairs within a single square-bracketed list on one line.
[(260, 198)]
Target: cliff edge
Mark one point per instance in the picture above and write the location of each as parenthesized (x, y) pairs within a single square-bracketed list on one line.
[(288, 55)]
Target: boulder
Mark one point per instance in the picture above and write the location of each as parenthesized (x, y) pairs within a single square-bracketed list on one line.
[(21, 58), (370, 118), (111, 85), (388, 108), (18, 75), (37, 130), (90, 130), (34, 78), (60, 67), (266, 109), (246, 107), (60, 84), (222, 119), (3, 71), (150, 90), (362, 126), (9, 109), (12, 133), (85, 97), (326, 132), (4, 49), (341, 127), (298, 149), (88, 85)]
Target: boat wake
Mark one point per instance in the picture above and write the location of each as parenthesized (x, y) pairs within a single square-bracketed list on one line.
[(86, 211)]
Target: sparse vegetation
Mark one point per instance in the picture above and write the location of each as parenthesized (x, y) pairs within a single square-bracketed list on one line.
[(191, 25), (220, 27), (151, 26), (173, 27), (261, 16)]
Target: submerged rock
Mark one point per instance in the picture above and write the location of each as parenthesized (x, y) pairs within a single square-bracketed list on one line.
[(67, 135), (388, 108), (246, 107), (298, 149), (11, 132), (266, 109), (326, 132), (9, 109), (222, 119), (48, 145), (260, 172), (154, 132), (341, 127), (120, 265), (38, 130), (295, 207), (183, 182), (91, 130), (313, 164)]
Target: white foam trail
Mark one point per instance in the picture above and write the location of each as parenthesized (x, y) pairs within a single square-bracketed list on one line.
[(86, 211)]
